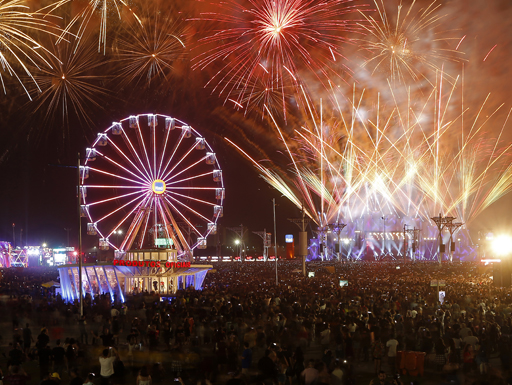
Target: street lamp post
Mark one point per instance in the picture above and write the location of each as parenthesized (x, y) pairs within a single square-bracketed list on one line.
[(239, 246), (80, 240), (275, 237), (118, 233), (384, 236), (239, 231)]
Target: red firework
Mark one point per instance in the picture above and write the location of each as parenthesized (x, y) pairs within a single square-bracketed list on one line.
[(280, 41)]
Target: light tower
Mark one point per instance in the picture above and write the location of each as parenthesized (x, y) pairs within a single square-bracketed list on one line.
[(303, 238), (441, 223), (410, 234), (452, 228), (384, 237), (337, 228)]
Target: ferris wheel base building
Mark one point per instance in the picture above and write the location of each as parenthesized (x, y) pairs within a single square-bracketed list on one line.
[(140, 271)]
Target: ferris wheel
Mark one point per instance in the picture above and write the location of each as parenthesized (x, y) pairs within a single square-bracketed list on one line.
[(151, 181)]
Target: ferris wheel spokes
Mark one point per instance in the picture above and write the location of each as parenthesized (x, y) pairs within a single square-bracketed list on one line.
[(142, 176), (164, 147), (192, 148), (118, 176), (133, 229), (192, 198), (188, 208), (88, 186), (125, 218), (169, 229), (187, 169), (145, 224), (176, 146), (142, 144), (190, 178), (133, 152), (119, 208), (182, 245), (113, 198)]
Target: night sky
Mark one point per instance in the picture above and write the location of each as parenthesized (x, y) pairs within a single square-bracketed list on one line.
[(38, 191)]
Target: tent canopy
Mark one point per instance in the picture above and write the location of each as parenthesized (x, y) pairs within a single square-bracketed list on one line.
[(50, 284)]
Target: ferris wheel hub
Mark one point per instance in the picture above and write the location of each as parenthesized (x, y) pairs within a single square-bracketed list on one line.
[(158, 186)]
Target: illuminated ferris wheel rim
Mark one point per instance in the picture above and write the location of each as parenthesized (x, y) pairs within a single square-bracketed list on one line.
[(154, 184)]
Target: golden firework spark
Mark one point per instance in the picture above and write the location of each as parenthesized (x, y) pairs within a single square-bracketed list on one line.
[(410, 46), (254, 94), (18, 48), (149, 50), (70, 86), (407, 158), (104, 8)]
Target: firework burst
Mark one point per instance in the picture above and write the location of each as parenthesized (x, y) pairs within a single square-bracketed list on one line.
[(410, 46), (69, 87), (148, 51), (18, 49), (260, 92), (276, 43), (105, 9)]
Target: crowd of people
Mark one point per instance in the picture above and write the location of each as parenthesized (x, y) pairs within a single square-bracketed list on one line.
[(243, 328)]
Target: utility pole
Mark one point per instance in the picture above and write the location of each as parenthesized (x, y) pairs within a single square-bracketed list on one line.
[(275, 237), (67, 229), (303, 238), (267, 242)]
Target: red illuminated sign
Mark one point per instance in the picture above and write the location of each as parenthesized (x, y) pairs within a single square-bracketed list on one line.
[(150, 263)]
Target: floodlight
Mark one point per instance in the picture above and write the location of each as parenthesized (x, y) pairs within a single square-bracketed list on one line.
[(502, 244)]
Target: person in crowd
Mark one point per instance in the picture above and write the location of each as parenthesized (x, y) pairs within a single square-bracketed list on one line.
[(27, 339), (106, 360), (267, 366), (47, 380), (392, 347), (59, 358), (16, 376), (45, 359), (75, 377), (144, 378), (42, 339), (377, 353), (90, 379), (246, 359), (310, 375), (82, 327), (382, 379)]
